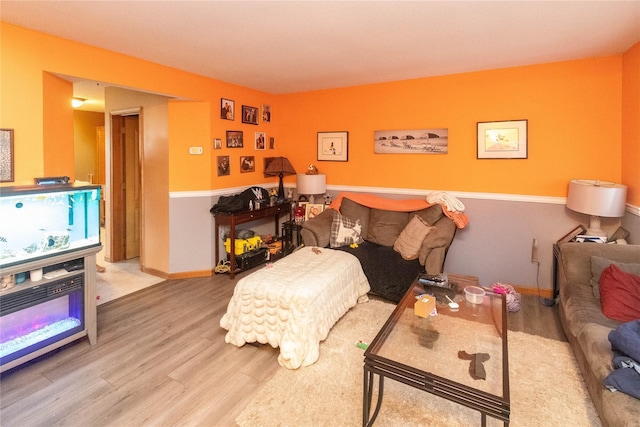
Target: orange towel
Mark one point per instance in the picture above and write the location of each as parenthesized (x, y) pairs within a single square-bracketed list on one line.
[(407, 205)]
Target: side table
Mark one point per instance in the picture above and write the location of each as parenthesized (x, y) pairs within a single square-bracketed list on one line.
[(289, 229)]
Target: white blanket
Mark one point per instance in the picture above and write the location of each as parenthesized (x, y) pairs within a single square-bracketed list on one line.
[(293, 303)]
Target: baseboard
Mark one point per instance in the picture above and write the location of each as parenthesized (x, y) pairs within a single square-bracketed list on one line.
[(155, 272), (190, 274), (545, 293)]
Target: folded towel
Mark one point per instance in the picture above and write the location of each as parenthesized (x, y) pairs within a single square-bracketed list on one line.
[(453, 204)]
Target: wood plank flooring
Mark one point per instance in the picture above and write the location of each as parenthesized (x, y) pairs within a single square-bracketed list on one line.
[(161, 360)]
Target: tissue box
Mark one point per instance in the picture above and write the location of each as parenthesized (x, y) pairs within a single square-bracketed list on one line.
[(424, 305)]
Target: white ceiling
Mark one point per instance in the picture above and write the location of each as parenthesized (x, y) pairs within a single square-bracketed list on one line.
[(292, 46)]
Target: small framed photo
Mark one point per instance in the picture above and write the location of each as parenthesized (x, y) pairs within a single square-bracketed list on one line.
[(227, 109), (261, 143), (333, 146), (266, 113), (312, 210), (217, 143), (6, 155), (502, 140), (235, 139), (249, 115), (223, 166), (272, 143), (247, 164)]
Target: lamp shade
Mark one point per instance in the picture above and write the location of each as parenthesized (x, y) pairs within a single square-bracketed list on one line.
[(280, 166), (598, 198), (311, 184)]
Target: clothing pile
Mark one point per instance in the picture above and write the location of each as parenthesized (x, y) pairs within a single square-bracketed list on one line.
[(625, 344)]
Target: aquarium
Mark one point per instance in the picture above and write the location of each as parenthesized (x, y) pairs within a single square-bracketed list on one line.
[(42, 221)]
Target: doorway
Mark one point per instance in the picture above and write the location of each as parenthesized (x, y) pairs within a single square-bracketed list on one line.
[(126, 188)]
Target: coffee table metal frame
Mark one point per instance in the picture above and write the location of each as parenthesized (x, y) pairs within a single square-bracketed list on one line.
[(498, 407)]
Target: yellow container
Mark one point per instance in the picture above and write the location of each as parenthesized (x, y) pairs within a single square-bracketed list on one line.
[(425, 305), (243, 245)]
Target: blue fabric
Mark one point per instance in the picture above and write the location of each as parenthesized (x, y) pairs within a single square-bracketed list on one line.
[(625, 343)]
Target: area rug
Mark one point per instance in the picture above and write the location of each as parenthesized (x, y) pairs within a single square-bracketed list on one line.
[(546, 386)]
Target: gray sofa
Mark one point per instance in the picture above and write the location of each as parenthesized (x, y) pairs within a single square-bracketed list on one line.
[(587, 328), (388, 273)]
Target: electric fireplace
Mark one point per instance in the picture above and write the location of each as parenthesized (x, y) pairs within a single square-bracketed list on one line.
[(33, 318)]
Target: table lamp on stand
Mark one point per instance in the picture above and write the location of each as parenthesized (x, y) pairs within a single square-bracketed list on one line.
[(309, 185), (280, 167), (597, 199)]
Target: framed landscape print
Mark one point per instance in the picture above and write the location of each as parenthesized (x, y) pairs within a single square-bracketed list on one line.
[(227, 109), (249, 115), (411, 141), (333, 146), (235, 139), (502, 140)]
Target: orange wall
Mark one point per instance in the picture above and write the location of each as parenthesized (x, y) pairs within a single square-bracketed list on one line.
[(58, 146), (574, 110), (574, 128), (631, 123)]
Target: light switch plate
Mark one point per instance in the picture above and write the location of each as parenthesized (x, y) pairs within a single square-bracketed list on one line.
[(195, 150)]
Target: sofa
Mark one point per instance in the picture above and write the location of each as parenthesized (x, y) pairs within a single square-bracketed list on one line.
[(579, 267), (373, 233)]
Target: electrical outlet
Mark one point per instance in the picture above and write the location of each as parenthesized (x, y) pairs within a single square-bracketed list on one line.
[(195, 150), (534, 251)]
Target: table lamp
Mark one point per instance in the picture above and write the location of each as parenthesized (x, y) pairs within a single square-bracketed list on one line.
[(597, 199), (280, 166), (309, 185)]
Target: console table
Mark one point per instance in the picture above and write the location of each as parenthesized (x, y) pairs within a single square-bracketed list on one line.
[(235, 218)]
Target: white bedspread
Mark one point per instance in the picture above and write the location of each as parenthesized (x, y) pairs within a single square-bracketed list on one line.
[(295, 302)]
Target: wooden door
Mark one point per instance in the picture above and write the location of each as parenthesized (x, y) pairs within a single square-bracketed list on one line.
[(132, 187)]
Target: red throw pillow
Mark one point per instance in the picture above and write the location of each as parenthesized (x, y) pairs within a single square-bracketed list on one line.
[(620, 294)]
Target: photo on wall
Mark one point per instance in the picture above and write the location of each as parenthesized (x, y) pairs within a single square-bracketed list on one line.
[(416, 141), (247, 164), (223, 166)]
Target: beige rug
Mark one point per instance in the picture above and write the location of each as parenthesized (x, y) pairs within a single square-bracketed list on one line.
[(546, 387)]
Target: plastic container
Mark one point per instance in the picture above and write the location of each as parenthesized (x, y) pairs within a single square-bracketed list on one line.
[(474, 294)]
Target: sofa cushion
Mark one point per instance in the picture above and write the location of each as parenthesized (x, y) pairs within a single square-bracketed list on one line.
[(410, 239), (620, 294), (598, 264), (386, 226), (356, 211), (321, 227), (431, 215), (344, 231)]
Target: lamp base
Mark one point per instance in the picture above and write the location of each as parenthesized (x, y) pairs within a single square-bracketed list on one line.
[(594, 227)]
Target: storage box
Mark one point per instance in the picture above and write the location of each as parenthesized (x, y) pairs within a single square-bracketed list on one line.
[(424, 305), (243, 245), (252, 259)]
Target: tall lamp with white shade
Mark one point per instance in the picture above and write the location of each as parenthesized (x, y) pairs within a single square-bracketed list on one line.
[(309, 185), (597, 199)]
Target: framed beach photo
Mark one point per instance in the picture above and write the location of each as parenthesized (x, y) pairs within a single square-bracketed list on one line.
[(227, 109), (249, 115), (502, 140), (333, 146)]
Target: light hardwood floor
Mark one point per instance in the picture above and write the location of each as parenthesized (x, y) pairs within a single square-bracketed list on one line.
[(161, 360)]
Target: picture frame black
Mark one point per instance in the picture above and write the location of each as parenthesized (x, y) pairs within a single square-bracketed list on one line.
[(235, 139), (227, 109), (333, 146), (249, 115)]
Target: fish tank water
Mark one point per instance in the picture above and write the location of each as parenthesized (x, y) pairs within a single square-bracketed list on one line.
[(40, 221)]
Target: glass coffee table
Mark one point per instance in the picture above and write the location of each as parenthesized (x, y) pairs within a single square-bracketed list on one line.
[(459, 355)]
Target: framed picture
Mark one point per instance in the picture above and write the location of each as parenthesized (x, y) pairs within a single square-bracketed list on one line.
[(502, 140), (247, 164), (411, 141), (6, 155), (217, 144), (333, 146), (249, 115), (272, 143), (235, 139), (570, 236), (261, 141), (266, 113), (223, 166), (312, 210), (227, 109)]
